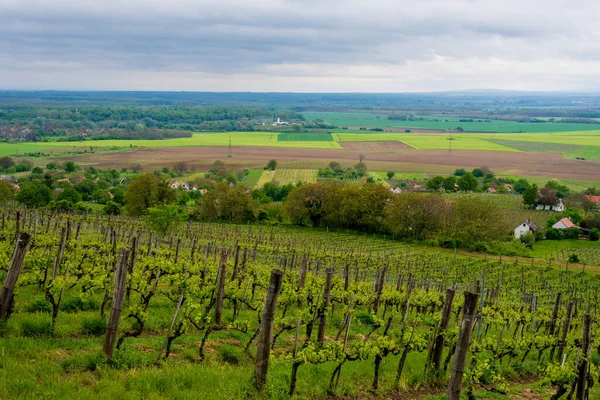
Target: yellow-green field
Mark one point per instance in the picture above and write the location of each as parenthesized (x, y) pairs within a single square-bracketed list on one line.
[(288, 176)]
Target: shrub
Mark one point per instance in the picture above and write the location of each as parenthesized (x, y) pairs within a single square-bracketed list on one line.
[(230, 354), (573, 258), (94, 326), (528, 240), (39, 306), (365, 318), (553, 234), (76, 304), (595, 235), (36, 327)]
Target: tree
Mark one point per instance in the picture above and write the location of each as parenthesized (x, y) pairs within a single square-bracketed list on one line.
[(521, 186), (227, 203), (591, 191), (467, 182), (180, 167), (561, 190), (312, 202), (448, 183), (434, 184), (272, 165), (51, 165), (165, 219), (415, 216), (361, 168), (135, 168), (460, 172), (478, 173), (595, 235), (530, 196), (475, 220), (71, 195), (146, 191), (547, 197), (359, 207), (112, 208), (7, 191), (6, 162), (390, 174), (70, 166), (34, 194)]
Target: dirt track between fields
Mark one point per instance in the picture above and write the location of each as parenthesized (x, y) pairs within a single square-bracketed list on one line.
[(432, 161)]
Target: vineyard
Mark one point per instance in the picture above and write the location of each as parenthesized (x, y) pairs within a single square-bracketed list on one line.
[(107, 309)]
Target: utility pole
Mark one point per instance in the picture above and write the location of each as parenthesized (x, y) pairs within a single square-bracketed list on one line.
[(229, 155)]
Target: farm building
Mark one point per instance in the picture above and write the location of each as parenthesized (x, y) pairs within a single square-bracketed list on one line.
[(594, 199), (564, 223), (525, 227), (559, 207), (491, 190), (396, 190)]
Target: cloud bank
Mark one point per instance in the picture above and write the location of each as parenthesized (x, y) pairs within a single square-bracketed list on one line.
[(300, 45)]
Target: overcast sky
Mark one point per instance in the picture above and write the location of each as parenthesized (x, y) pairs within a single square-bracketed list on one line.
[(300, 45)]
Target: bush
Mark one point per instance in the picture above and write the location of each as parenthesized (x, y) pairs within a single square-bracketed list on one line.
[(39, 306), (553, 234), (528, 240), (230, 354), (365, 318), (595, 235), (76, 304), (573, 258), (94, 326), (36, 327)]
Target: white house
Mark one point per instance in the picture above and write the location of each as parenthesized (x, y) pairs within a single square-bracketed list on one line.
[(396, 190), (564, 223), (525, 227), (175, 185), (185, 186), (560, 207)]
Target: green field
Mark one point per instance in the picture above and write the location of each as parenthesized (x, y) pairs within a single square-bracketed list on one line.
[(265, 139), (537, 147), (304, 137), (462, 142), (443, 123), (284, 176)]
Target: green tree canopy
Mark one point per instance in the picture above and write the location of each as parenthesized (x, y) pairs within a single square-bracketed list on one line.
[(34, 194)]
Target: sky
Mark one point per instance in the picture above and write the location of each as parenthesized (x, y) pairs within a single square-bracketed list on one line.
[(300, 45)]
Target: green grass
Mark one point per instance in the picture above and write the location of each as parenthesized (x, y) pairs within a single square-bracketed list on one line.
[(304, 137), (442, 123), (548, 248), (252, 178)]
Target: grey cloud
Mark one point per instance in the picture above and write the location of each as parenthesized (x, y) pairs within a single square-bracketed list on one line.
[(291, 37)]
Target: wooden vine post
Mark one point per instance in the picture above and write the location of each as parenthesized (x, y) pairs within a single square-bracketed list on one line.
[(323, 309), (584, 362), (221, 286), (265, 337), (440, 340), (117, 304), (12, 276), (462, 345)]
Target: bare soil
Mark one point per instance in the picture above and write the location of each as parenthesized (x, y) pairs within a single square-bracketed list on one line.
[(391, 145), (426, 161)]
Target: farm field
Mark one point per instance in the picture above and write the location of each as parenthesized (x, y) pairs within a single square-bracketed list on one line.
[(380, 121), (284, 176), (559, 250), (251, 180), (266, 176), (304, 137), (189, 320)]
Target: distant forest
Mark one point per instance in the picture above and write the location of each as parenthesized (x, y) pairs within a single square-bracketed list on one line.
[(57, 115)]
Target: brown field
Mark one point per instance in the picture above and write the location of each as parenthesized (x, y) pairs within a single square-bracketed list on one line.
[(401, 159)]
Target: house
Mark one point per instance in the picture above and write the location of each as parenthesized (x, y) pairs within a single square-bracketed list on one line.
[(396, 190), (559, 207), (203, 191), (564, 223), (524, 228), (175, 185), (418, 188), (185, 186), (594, 199), (16, 187), (123, 181), (280, 122), (507, 188), (491, 190), (64, 180), (8, 179)]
